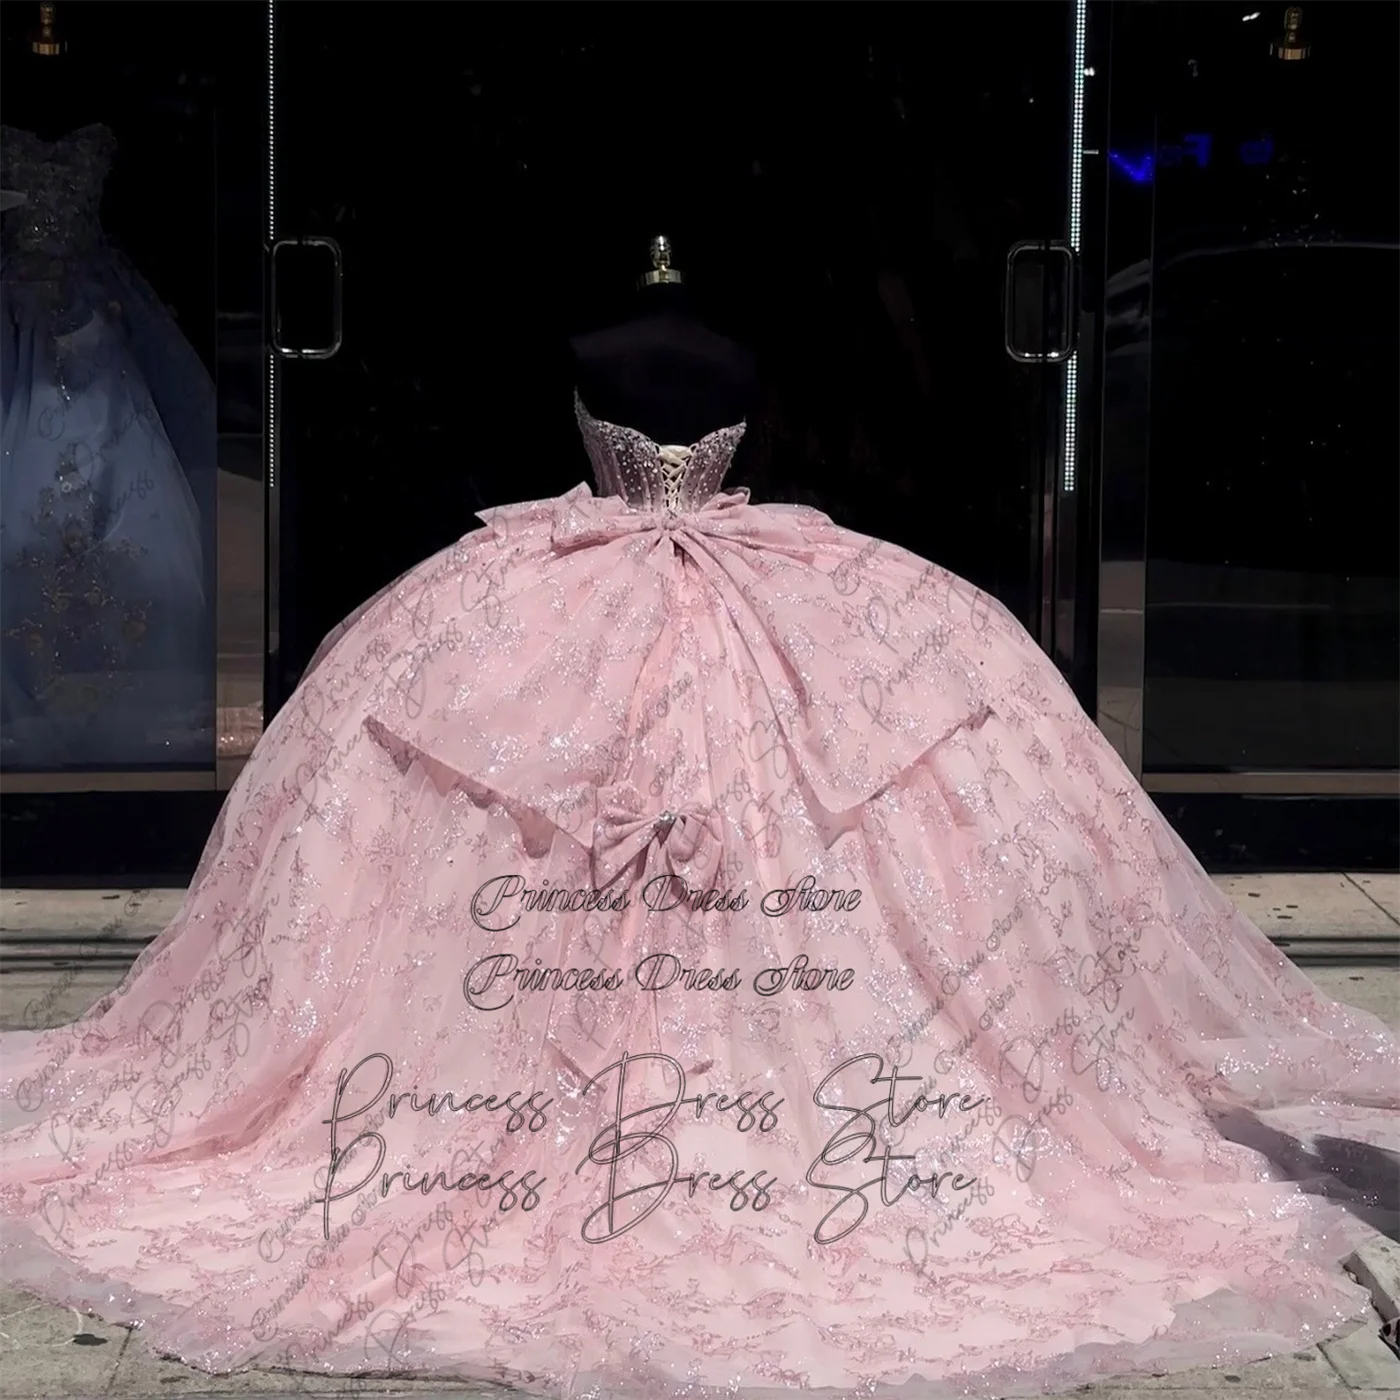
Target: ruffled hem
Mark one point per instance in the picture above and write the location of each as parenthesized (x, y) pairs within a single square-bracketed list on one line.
[(559, 1357)]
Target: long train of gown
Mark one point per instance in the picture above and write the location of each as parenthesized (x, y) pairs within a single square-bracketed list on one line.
[(107, 421), (594, 692)]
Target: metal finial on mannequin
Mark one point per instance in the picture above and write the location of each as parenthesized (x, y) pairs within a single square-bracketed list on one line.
[(662, 273), (46, 41), (1291, 46)]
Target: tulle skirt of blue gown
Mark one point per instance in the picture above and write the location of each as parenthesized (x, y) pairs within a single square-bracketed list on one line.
[(108, 475)]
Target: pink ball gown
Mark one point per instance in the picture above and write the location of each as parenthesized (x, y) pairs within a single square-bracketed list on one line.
[(673, 947)]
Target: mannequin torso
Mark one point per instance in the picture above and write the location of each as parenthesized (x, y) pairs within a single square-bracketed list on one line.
[(664, 372), (51, 97)]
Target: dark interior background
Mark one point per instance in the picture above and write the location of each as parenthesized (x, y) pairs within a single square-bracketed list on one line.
[(1251, 353), (841, 192), (1273, 634)]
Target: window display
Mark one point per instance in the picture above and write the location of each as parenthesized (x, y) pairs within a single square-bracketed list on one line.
[(108, 427)]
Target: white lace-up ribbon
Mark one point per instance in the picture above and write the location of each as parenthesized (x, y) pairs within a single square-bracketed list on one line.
[(673, 462)]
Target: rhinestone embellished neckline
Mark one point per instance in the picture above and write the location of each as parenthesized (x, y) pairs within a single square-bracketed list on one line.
[(652, 475)]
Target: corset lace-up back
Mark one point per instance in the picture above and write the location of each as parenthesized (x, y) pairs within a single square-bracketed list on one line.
[(649, 475)]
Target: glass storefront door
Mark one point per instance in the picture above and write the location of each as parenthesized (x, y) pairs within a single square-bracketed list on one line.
[(880, 199), (132, 499), (1250, 593), (886, 210)]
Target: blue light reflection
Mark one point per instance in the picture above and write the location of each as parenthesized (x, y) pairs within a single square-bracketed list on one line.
[(1193, 151)]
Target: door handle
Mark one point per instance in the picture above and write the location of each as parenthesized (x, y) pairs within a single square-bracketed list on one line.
[(1042, 302), (307, 301)]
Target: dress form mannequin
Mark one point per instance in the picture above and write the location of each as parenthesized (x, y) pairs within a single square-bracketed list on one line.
[(52, 96), (663, 371), (55, 88)]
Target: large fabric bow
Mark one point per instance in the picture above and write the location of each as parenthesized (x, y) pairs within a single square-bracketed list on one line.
[(581, 519), (624, 833)]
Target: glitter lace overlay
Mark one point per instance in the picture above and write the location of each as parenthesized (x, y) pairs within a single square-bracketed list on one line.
[(62, 181), (593, 692), (106, 413)]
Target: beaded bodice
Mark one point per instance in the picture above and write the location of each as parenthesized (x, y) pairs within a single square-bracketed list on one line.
[(62, 183), (651, 476)]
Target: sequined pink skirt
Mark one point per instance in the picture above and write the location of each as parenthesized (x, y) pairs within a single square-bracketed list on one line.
[(701, 957)]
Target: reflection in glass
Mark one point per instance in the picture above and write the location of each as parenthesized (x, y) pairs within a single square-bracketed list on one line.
[(109, 438), (1272, 631)]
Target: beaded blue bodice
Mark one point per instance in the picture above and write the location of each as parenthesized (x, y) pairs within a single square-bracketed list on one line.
[(62, 184)]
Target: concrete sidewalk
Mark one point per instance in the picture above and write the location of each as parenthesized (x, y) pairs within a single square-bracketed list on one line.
[(61, 951)]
